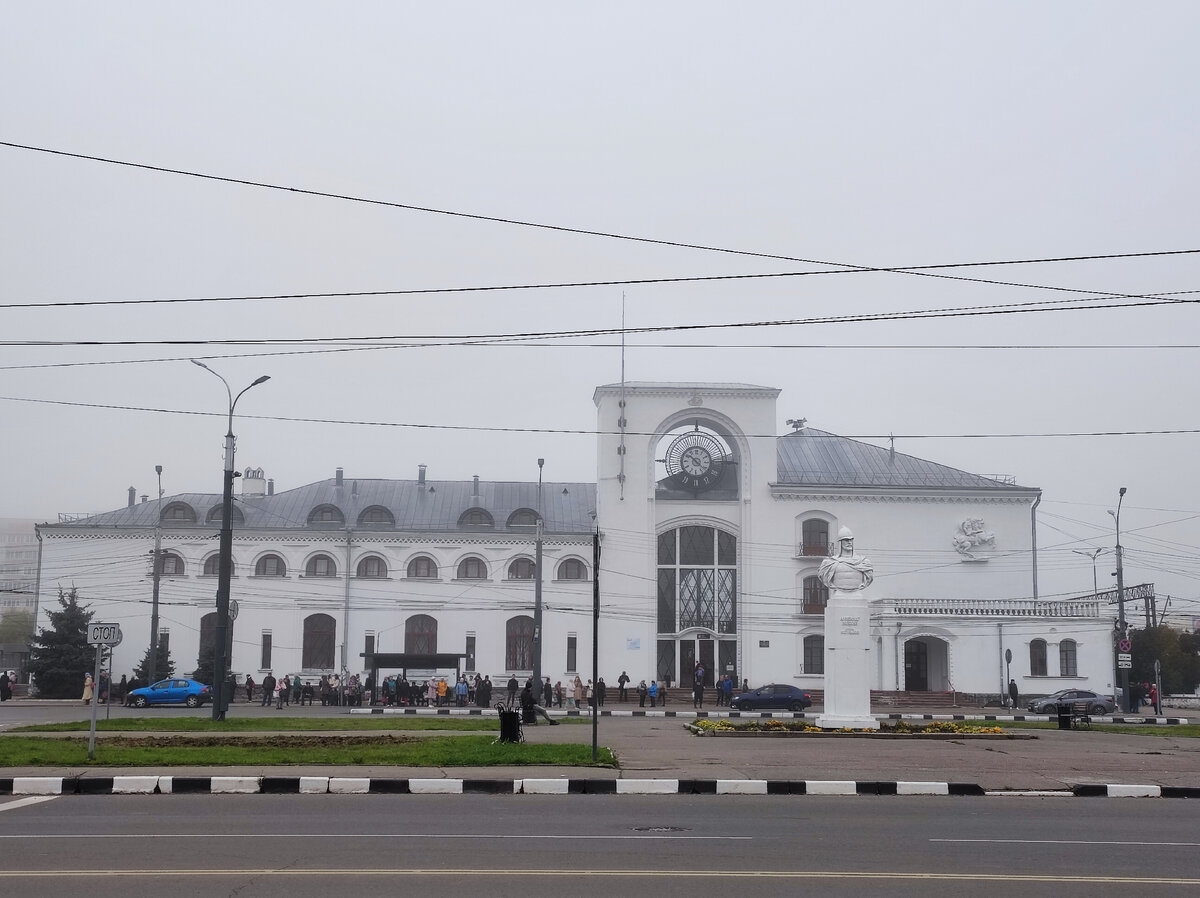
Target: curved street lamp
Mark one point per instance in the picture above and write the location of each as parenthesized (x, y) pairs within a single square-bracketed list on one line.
[(225, 554)]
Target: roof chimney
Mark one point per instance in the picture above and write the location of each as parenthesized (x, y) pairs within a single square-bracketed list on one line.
[(145, 499), (338, 477), (421, 475), (475, 491), (271, 487), (132, 496)]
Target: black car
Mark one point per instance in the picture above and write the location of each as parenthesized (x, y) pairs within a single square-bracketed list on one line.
[(775, 696)]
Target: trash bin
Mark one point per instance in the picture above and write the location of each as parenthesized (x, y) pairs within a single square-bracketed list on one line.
[(1064, 716), (510, 725)]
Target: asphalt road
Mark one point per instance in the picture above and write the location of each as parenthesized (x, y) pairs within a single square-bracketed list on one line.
[(295, 846)]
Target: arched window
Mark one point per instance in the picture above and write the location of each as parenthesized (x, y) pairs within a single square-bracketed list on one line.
[(521, 569), (377, 516), (697, 580), (1067, 663), (216, 515), (320, 635), (320, 566), (476, 517), (171, 565), (420, 635), (572, 569), (814, 537), (422, 568), (518, 645), (1037, 658), (270, 566), (816, 595), (212, 565), (372, 568), (472, 568), (814, 654), (523, 517), (326, 516), (178, 513)]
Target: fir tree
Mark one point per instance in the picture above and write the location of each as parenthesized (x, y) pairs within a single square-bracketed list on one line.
[(60, 656), (163, 665)]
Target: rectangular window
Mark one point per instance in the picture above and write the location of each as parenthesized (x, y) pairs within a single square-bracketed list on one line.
[(369, 643), (814, 654), (666, 601), (1067, 666), (572, 652), (471, 651), (265, 660)]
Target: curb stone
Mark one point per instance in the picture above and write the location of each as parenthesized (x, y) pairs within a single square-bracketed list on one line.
[(319, 785)]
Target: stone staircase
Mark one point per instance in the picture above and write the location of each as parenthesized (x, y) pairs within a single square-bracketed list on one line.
[(882, 699)]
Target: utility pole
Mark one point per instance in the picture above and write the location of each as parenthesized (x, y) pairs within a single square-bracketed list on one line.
[(221, 694), (1122, 627), (151, 666), (537, 595), (595, 641)]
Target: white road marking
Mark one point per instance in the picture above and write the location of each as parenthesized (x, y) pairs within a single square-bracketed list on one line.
[(1070, 842), (159, 835), (25, 802)]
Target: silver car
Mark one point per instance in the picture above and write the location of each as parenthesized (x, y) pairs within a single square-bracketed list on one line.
[(1097, 704)]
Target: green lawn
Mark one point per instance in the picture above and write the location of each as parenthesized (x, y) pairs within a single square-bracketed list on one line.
[(398, 750), (342, 723)]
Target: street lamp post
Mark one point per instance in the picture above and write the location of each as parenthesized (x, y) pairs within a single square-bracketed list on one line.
[(1093, 554), (1122, 630), (225, 554)]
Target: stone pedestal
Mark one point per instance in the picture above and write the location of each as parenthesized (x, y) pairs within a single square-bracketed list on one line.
[(847, 662)]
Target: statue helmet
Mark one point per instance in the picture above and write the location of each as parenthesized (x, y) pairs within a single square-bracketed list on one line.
[(845, 533)]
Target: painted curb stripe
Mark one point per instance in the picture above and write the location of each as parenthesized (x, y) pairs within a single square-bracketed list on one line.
[(317, 785), (37, 785)]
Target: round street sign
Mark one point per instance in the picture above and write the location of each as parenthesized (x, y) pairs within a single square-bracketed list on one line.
[(233, 609), (1123, 646)]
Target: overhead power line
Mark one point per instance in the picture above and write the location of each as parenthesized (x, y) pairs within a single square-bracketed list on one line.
[(931, 271), (585, 432), (402, 341)]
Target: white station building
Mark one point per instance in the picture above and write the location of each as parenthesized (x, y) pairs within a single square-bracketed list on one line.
[(711, 531)]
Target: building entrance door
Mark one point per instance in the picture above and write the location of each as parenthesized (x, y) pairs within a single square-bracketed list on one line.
[(916, 666), (691, 652)]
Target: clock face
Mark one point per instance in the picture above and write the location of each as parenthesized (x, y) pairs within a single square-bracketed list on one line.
[(695, 461)]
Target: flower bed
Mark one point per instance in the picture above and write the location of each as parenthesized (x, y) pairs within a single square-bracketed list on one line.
[(888, 730)]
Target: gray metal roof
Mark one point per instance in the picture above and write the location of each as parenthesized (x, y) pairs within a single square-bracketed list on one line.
[(812, 457), (435, 505)]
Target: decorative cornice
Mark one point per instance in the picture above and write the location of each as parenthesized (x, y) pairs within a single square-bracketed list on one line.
[(864, 494)]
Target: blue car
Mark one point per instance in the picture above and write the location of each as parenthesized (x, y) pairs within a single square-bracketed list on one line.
[(175, 691), (776, 696)]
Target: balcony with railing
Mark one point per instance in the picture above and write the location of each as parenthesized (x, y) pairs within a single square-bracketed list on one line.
[(1089, 608)]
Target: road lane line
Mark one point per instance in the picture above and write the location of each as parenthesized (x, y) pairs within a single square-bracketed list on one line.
[(667, 837), (341, 873), (1071, 842), (24, 802)]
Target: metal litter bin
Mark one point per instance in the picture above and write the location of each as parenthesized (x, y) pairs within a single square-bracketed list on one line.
[(1064, 716), (510, 725)]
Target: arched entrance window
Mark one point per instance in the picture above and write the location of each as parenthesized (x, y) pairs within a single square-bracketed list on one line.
[(1037, 658), (1067, 664), (697, 603), (814, 654), (518, 643), (420, 635), (320, 635), (816, 596)]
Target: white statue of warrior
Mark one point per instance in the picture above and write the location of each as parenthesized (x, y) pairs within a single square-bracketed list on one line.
[(846, 571)]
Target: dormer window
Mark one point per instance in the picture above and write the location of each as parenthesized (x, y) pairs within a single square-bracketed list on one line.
[(523, 517), (178, 513), (326, 516), (476, 517)]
